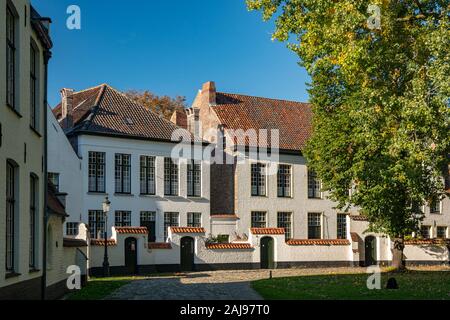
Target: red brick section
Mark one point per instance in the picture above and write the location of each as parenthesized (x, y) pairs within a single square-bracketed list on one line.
[(132, 230), (318, 242), (225, 246), (159, 245), (187, 230), (100, 242), (104, 110), (273, 231), (292, 119), (413, 242)]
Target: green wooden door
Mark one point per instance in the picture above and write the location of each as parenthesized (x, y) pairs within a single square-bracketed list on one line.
[(187, 254), (370, 251), (267, 253), (131, 255)]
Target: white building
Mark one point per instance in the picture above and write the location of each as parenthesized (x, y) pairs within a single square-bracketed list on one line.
[(174, 215), (126, 154)]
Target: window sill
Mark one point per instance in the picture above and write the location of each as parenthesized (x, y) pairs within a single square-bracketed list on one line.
[(315, 198), (14, 110), (148, 195), (123, 195), (35, 131), (12, 275), (194, 197), (284, 197), (93, 193), (34, 270)]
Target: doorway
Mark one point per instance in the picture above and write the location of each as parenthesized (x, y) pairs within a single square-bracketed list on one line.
[(131, 255), (370, 251), (267, 253), (187, 254)]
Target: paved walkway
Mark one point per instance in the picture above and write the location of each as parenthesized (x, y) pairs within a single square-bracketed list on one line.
[(216, 285)]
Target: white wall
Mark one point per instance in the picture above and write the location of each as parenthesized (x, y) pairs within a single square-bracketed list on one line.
[(62, 159), (298, 204), (136, 202)]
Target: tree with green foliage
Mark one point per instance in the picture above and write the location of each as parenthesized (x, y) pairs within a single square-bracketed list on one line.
[(163, 105), (380, 83)]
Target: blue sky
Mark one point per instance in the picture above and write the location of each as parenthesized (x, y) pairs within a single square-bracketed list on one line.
[(170, 48)]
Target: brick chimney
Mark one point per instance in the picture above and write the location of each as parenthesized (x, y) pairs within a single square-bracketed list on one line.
[(209, 93), (67, 108)]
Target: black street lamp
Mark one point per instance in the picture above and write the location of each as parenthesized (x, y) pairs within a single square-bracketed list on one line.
[(106, 207)]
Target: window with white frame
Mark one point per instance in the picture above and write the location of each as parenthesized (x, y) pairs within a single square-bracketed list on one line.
[(258, 179), (122, 219), (194, 219), (259, 219), (148, 185), (96, 172), (194, 178), (284, 221), (123, 173), (425, 232), (171, 219), (284, 181), (313, 186), (96, 224), (441, 232), (342, 226), (435, 207), (53, 177), (72, 228), (314, 226), (170, 177)]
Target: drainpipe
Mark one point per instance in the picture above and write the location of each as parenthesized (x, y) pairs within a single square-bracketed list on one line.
[(47, 56)]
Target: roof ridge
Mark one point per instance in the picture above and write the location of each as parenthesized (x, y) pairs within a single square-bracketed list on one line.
[(160, 116), (259, 97), (91, 88)]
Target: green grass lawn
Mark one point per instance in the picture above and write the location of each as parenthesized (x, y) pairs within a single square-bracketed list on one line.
[(412, 285), (99, 288)]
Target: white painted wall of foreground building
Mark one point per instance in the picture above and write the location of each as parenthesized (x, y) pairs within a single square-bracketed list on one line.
[(136, 202)]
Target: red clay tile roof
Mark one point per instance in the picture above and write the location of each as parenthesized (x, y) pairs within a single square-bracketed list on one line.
[(74, 243), (159, 245), (187, 230), (103, 110), (101, 242), (132, 230), (292, 119), (318, 242), (427, 241), (358, 218), (225, 246), (267, 230)]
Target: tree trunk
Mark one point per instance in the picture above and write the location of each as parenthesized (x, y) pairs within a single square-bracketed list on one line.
[(397, 254)]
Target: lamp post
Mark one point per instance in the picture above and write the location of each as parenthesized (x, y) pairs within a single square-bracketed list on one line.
[(106, 207)]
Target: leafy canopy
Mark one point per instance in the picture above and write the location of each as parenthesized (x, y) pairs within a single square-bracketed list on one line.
[(163, 105), (380, 99)]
